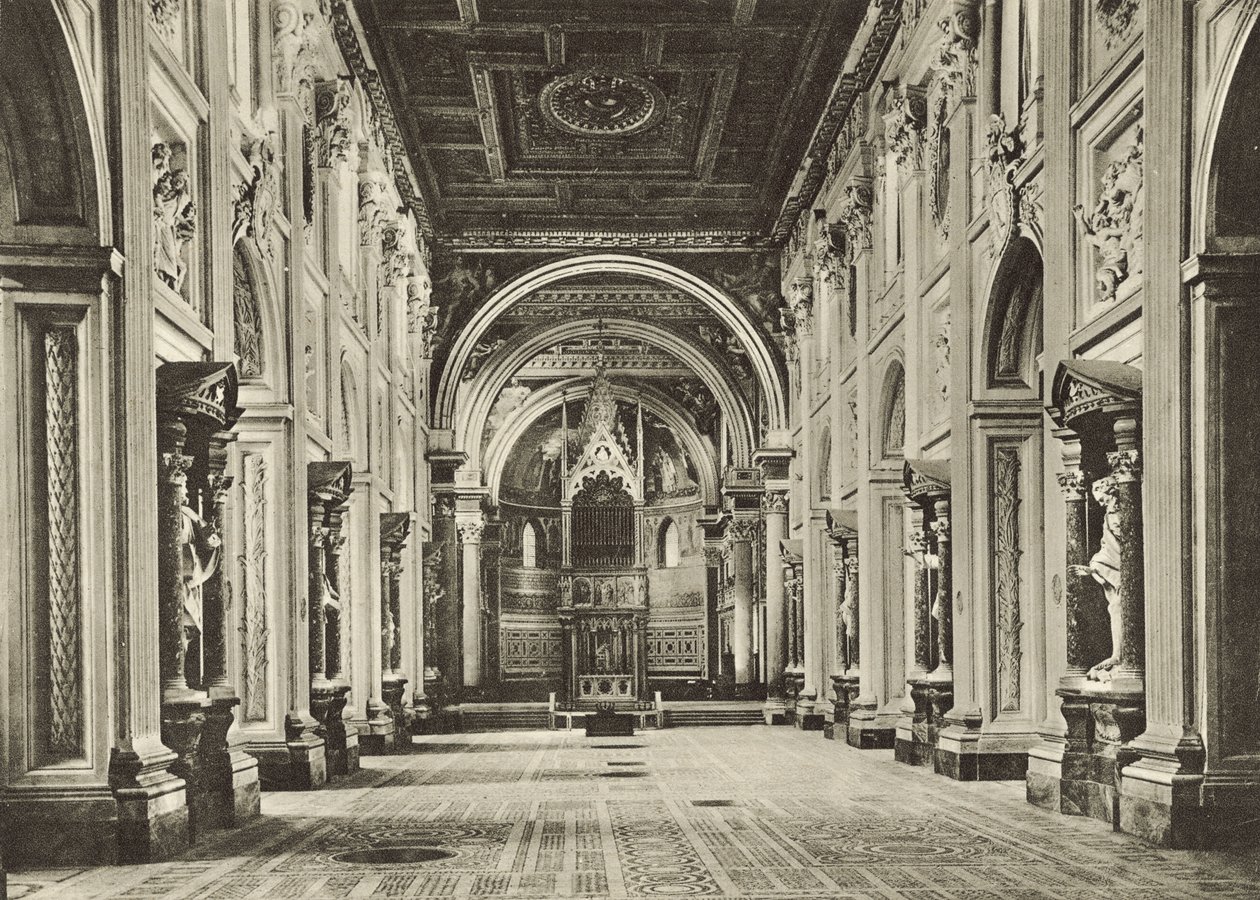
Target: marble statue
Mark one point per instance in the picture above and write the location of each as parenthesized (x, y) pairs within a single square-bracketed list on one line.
[(1104, 568)]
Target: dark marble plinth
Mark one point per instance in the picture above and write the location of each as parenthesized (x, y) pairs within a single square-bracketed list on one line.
[(183, 724), (606, 722), (229, 792), (1100, 726), (328, 703), (393, 688)]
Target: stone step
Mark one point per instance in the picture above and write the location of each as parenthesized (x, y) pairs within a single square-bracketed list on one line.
[(680, 718)]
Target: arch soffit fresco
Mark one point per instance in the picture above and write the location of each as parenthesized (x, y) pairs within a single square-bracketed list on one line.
[(767, 369), (550, 397), (484, 390)]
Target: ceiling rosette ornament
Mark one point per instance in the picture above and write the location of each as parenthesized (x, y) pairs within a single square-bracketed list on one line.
[(601, 103)]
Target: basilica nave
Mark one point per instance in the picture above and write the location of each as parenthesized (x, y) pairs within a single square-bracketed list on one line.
[(509, 448)]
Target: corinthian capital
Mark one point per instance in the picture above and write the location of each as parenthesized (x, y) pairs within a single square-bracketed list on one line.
[(903, 129), (470, 531)]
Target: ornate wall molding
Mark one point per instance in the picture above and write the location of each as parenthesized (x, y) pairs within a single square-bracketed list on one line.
[(61, 404), (246, 319), (296, 34), (1007, 550), (253, 558), (335, 147), (855, 218)]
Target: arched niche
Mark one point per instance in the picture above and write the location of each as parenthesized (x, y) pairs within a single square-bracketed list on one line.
[(824, 462), (1012, 329), (668, 547), (480, 395), (504, 441), (766, 363), (892, 420), (354, 434), (50, 190), (1233, 221), (259, 346)]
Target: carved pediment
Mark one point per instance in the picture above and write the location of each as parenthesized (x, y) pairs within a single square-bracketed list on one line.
[(842, 524), (199, 392), (792, 552), (1090, 387), (926, 478), (329, 482), (395, 527)]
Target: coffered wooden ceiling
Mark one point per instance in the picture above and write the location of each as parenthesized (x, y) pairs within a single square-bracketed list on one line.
[(608, 115)]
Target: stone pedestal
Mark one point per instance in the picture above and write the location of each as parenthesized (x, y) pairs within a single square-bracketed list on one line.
[(809, 714), (869, 729), (229, 775), (341, 741), (846, 688), (1085, 779), (393, 688), (298, 763), (916, 738)]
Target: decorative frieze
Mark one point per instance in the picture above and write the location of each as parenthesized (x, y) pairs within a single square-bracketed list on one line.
[(1114, 226), (174, 217)]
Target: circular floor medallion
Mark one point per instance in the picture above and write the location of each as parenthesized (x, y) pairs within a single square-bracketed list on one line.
[(392, 856), (602, 103)]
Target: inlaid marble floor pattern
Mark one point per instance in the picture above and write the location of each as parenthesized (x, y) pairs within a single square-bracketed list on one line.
[(747, 812)]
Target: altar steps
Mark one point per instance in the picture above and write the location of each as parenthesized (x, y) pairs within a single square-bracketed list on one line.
[(700, 713), (504, 717)]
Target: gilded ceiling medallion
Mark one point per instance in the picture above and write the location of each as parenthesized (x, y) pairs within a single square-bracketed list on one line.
[(600, 103)]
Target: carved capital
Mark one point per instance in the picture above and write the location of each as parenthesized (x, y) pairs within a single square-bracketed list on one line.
[(774, 502), (372, 209), (903, 129), (855, 217), (470, 531), (1072, 484), (955, 60), (296, 34), (1126, 466), (742, 529), (332, 122), (829, 268)]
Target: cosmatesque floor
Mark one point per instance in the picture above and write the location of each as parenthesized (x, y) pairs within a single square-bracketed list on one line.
[(749, 812)]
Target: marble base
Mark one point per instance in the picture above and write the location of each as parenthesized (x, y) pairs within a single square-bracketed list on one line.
[(378, 739), (393, 688), (328, 704), (230, 793), (965, 752), (298, 763), (870, 730), (775, 712), (1082, 777), (70, 827)]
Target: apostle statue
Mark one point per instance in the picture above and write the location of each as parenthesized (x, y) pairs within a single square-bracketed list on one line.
[(1104, 568)]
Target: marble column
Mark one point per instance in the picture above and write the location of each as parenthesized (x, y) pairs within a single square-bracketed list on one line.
[(741, 532), (470, 530), (1072, 485), (774, 506)]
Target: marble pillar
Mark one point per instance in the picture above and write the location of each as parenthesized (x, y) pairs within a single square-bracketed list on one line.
[(395, 528), (775, 510), (470, 530), (741, 532)]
